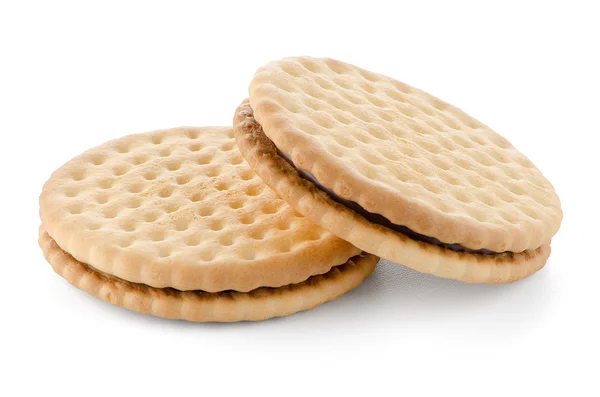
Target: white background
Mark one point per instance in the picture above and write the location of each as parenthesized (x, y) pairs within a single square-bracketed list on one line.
[(73, 76)]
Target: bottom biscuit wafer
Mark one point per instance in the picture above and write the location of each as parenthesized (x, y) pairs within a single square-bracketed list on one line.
[(227, 306)]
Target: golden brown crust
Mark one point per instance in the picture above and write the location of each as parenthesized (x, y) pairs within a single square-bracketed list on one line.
[(261, 154), (180, 208), (229, 306), (404, 154)]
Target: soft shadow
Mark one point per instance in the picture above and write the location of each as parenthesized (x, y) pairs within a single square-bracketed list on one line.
[(398, 297), (392, 297)]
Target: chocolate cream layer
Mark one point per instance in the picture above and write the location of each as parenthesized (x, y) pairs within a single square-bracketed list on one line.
[(380, 219)]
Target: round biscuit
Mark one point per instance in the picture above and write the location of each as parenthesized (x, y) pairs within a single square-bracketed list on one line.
[(181, 208), (404, 154)]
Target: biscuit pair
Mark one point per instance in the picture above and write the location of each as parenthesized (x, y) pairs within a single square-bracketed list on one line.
[(343, 166)]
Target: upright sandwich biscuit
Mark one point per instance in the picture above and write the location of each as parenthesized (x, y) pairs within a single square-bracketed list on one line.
[(176, 224), (396, 171)]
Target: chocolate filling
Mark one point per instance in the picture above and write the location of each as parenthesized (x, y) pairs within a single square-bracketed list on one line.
[(379, 219)]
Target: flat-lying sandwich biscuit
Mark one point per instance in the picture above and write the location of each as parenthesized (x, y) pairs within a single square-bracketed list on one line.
[(396, 171), (179, 210)]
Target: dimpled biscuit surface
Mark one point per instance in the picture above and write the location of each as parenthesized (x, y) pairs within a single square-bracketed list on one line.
[(402, 153), (180, 208)]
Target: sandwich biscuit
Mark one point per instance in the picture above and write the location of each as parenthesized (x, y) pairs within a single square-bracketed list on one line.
[(176, 224), (397, 172)]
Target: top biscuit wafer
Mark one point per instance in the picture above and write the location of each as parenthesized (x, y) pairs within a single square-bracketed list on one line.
[(404, 154), (180, 208)]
